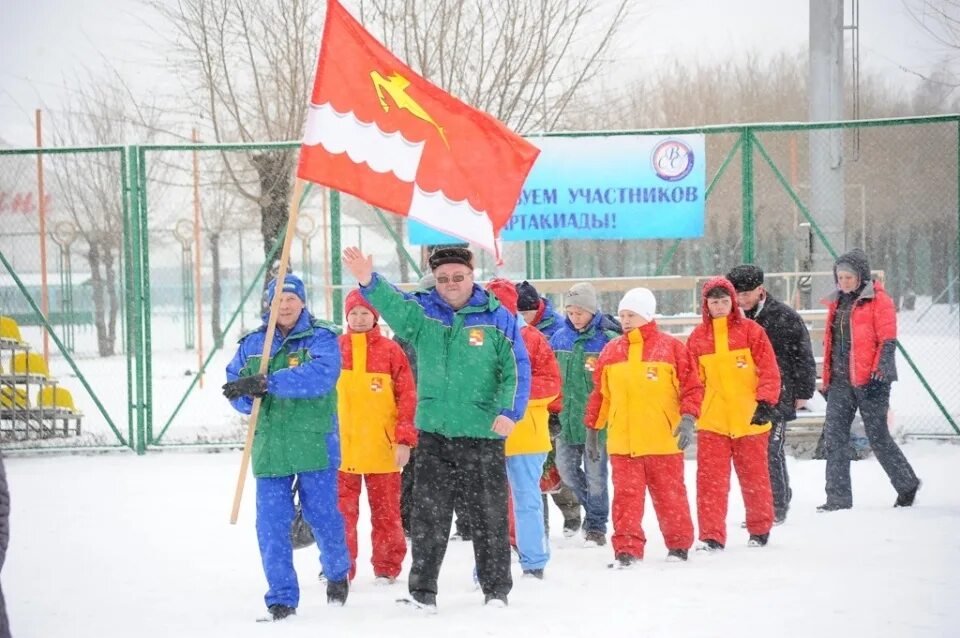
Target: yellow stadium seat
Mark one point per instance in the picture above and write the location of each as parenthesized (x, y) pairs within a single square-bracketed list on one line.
[(55, 397), (9, 330), (30, 363), (14, 398)]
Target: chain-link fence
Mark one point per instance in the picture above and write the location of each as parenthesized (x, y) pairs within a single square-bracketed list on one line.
[(155, 266)]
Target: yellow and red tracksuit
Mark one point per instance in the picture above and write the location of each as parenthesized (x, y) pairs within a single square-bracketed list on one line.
[(644, 381), (376, 402), (738, 368)]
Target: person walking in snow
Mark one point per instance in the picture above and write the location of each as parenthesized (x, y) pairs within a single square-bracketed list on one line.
[(798, 370), (581, 452), (473, 381), (859, 357), (646, 395), (376, 403), (296, 438), (538, 312), (527, 446), (742, 386)]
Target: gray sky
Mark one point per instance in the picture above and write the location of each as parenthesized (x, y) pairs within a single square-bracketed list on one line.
[(44, 42)]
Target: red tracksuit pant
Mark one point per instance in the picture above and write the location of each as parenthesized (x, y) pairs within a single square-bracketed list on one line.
[(663, 476), (383, 494), (749, 456)]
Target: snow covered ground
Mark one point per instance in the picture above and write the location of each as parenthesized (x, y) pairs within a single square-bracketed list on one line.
[(106, 546)]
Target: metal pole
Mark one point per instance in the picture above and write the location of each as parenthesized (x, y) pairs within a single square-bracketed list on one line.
[(746, 158), (826, 146), (335, 264), (42, 212), (197, 259)]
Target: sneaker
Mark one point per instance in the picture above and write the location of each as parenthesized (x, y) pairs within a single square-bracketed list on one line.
[(905, 499), (758, 540), (383, 581), (279, 612), (710, 545), (533, 573), (625, 560), (571, 527), (677, 555), (832, 507), (594, 539), (495, 600), (337, 591)]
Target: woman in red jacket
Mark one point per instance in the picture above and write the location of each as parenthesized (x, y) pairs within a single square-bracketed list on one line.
[(647, 394), (860, 344), (376, 403), (742, 381)]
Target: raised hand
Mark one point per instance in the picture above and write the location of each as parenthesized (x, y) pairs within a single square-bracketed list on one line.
[(359, 265)]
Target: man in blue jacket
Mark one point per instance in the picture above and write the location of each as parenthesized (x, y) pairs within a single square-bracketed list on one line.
[(297, 437)]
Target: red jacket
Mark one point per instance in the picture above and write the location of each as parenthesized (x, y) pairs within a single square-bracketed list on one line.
[(643, 383), (872, 321), (377, 399), (737, 365)]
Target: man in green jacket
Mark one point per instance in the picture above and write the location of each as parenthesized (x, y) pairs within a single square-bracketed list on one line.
[(473, 382), (296, 437)]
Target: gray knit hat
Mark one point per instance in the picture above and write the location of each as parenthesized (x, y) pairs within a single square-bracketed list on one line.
[(582, 295)]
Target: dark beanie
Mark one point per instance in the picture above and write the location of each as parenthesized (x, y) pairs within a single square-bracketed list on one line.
[(745, 277), (527, 296), (451, 255)]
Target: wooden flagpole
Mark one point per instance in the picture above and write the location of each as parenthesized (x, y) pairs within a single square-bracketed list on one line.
[(268, 342)]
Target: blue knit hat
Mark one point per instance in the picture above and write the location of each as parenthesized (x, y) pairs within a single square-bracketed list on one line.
[(291, 283)]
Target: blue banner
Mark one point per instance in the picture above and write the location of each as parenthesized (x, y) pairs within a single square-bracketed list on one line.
[(615, 187)]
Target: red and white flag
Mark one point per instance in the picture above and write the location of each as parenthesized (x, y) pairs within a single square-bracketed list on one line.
[(380, 132)]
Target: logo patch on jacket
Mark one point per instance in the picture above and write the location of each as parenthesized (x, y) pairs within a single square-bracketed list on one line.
[(741, 361), (590, 364), (652, 374), (293, 360), (376, 384), (476, 337)]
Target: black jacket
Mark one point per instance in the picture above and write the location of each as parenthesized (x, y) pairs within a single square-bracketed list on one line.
[(791, 343)]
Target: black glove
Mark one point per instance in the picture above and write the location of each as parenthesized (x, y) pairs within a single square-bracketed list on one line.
[(254, 386), (765, 413), (887, 365), (553, 423), (593, 445), (876, 389)]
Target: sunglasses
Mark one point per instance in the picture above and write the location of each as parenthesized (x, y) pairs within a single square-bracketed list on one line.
[(455, 279)]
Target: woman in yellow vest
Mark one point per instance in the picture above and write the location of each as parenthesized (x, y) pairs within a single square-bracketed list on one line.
[(376, 403), (647, 394)]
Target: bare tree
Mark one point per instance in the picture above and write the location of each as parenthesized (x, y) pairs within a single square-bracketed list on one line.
[(248, 70), (100, 111)]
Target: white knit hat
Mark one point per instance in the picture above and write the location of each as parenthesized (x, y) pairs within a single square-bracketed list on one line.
[(640, 301)]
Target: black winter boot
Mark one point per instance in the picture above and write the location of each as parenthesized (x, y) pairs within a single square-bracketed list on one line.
[(337, 591)]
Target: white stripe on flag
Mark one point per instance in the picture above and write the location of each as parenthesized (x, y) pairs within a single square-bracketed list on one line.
[(458, 218)]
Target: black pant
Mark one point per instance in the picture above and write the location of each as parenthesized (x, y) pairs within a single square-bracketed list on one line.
[(476, 470), (777, 460), (873, 401), (406, 491)]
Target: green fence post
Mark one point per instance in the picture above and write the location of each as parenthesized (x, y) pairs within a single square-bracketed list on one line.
[(145, 297), (746, 157), (129, 339), (336, 267), (548, 259)]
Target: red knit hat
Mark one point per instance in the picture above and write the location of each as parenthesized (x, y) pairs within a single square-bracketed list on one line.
[(354, 299), (506, 293)]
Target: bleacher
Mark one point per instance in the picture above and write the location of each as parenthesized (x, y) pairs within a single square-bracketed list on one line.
[(33, 405)]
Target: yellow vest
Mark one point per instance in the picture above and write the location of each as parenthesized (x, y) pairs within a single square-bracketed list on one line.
[(640, 403), (532, 434), (368, 416), (730, 380)]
